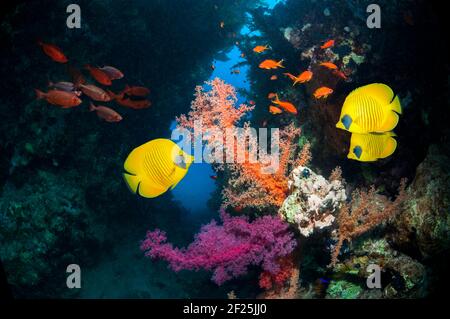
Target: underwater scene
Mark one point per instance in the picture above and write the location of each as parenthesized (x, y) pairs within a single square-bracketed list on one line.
[(224, 149)]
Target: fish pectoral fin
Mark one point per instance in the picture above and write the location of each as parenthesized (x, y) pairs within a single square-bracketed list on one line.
[(132, 182), (390, 148), (149, 189), (396, 105), (389, 123)]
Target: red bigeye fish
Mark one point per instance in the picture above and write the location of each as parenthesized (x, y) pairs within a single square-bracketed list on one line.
[(64, 86), (53, 52), (94, 92), (76, 75), (100, 76), (132, 104), (112, 72), (136, 91), (60, 98), (106, 113)]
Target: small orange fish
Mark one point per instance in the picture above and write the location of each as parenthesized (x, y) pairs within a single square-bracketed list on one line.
[(242, 55), (327, 44), (238, 209), (322, 92), (329, 65), (214, 177), (136, 91), (302, 78), (213, 67), (237, 71), (251, 102), (60, 98), (287, 106), (94, 92), (106, 113), (275, 110), (53, 52), (271, 64), (222, 24), (271, 95), (264, 123), (260, 48), (99, 75), (274, 77)]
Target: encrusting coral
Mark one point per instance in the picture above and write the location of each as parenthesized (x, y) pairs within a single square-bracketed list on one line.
[(313, 200)]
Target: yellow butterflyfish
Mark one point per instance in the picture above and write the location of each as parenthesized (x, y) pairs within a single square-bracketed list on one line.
[(370, 109), (154, 167), (371, 147)]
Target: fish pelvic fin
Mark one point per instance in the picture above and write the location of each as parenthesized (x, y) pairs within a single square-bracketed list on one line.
[(396, 105)]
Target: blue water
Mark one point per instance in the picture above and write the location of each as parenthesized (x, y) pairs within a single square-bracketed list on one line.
[(194, 191)]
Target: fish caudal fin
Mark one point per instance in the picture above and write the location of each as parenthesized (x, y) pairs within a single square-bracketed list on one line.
[(39, 94), (132, 182), (396, 106), (391, 145), (280, 64), (92, 107)]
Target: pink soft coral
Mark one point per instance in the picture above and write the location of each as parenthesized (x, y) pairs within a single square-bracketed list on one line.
[(227, 249)]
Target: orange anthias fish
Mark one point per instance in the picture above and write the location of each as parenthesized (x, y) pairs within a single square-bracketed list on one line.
[(106, 113), (275, 110), (242, 55), (274, 77), (271, 64), (214, 177), (322, 92), (53, 52), (60, 98), (136, 91), (251, 102), (327, 44), (302, 78), (287, 106), (329, 65), (99, 75), (271, 95), (94, 92), (260, 48)]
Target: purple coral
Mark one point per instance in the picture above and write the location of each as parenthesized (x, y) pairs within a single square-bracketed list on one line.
[(227, 249)]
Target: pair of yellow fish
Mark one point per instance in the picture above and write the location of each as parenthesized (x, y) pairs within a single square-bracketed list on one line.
[(370, 113)]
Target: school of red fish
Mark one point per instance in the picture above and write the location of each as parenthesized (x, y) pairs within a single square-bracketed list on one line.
[(66, 94)]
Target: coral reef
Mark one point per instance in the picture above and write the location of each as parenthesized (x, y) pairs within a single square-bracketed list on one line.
[(366, 210), (313, 201), (228, 249)]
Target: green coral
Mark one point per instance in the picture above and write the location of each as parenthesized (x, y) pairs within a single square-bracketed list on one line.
[(342, 289)]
